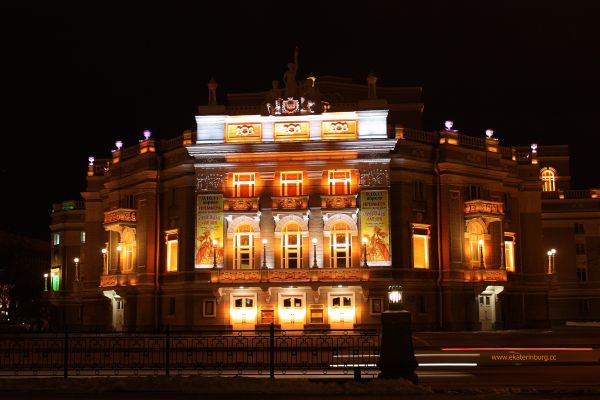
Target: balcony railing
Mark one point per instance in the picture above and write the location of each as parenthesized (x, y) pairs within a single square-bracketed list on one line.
[(290, 275), (126, 279), (338, 201), (120, 215), (290, 203), (240, 204)]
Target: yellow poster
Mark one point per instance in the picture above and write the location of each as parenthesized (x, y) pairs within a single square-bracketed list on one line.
[(374, 225), (209, 227)]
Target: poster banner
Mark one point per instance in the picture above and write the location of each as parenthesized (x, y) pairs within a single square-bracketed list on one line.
[(209, 227), (374, 225)]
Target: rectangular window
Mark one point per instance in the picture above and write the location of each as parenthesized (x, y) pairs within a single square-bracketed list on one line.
[(291, 183), (579, 248), (128, 201), (172, 243), (474, 192), (56, 239), (209, 309), (420, 245), (418, 191), (584, 306), (171, 305), (579, 229), (82, 236), (582, 275), (243, 184), (509, 251), (339, 182)]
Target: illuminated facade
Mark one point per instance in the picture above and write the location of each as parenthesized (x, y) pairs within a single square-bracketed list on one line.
[(302, 211)]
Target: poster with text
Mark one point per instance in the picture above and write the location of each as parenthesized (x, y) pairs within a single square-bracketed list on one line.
[(374, 225), (209, 227)]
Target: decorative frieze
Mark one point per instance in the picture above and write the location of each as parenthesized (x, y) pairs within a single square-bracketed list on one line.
[(338, 130), (338, 201), (290, 203), (240, 204), (482, 207), (291, 131), (120, 215), (243, 132)]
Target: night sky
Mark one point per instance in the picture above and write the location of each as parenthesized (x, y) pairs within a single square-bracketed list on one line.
[(76, 77)]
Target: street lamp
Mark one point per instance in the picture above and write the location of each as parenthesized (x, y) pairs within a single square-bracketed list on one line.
[(104, 261), (119, 248), (314, 242), (45, 282), (214, 242), (395, 297), (365, 240), (551, 265), (76, 261), (480, 253), (264, 263)]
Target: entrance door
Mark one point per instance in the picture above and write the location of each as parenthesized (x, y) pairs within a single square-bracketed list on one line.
[(292, 311), (341, 311), (487, 312), (243, 311), (118, 314)]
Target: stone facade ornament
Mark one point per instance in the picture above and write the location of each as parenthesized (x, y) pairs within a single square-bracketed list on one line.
[(210, 181), (375, 177)]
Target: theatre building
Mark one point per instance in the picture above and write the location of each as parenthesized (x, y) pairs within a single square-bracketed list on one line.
[(300, 208)]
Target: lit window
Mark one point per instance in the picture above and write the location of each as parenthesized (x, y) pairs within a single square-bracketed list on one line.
[(341, 245), (509, 251), (55, 279), (127, 257), (548, 177), (243, 243), (82, 236), (291, 183), (475, 243), (339, 182), (291, 246), (56, 239), (172, 243), (420, 241), (341, 301), (243, 184)]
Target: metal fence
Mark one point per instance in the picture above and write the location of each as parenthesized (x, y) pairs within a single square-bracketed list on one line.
[(263, 353)]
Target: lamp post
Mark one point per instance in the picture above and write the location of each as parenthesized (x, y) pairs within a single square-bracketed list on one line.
[(76, 261), (551, 266), (45, 282), (104, 263), (119, 248), (397, 355), (365, 240), (314, 242), (264, 255), (214, 242), (480, 245)]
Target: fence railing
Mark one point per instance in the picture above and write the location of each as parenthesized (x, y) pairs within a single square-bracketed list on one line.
[(261, 352)]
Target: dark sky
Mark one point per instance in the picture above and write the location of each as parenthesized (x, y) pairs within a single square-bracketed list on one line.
[(77, 77)]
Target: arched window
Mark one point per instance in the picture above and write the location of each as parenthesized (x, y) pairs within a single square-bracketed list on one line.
[(548, 177), (341, 245), (291, 246), (243, 247), (476, 243)]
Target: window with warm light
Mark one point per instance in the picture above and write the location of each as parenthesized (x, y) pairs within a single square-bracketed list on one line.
[(420, 246), (172, 244), (128, 257), (291, 246), (475, 242), (548, 177), (82, 236), (291, 183), (243, 309), (243, 184), (243, 242), (341, 245), (509, 251), (339, 182), (56, 239)]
